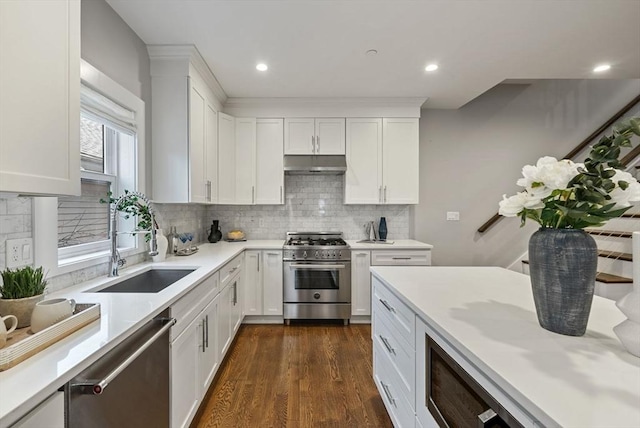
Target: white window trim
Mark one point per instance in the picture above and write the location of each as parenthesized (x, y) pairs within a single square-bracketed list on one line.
[(45, 210)]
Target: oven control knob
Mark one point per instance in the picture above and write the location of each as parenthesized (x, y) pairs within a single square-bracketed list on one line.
[(304, 254), (316, 296), (317, 254)]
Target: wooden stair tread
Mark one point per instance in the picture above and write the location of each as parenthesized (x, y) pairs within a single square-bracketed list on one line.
[(628, 257), (613, 233), (605, 278), (631, 215)]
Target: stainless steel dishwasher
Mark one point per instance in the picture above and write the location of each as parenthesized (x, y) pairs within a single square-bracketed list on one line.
[(129, 386)]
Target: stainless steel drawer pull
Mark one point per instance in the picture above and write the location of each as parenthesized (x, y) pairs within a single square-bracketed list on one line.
[(99, 386), (388, 393), (387, 305), (401, 258), (207, 330), (204, 341), (387, 344)]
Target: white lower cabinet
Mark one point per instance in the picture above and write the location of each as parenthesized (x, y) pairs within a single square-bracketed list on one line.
[(224, 321), (49, 413), (263, 282), (394, 355), (361, 260), (194, 353), (360, 283)]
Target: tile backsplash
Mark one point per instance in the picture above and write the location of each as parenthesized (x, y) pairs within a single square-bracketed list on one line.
[(312, 203)]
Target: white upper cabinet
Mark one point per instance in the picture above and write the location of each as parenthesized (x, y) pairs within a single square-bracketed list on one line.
[(226, 159), (40, 84), (382, 161), (184, 127), (363, 179), (400, 161), (250, 161), (245, 147), (308, 136), (269, 169)]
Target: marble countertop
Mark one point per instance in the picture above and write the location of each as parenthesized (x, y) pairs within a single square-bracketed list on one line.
[(487, 315), (22, 387)]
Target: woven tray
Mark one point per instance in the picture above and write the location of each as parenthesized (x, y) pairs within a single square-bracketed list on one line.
[(22, 343)]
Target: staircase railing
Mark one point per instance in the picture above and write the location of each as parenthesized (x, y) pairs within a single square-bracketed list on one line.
[(580, 147)]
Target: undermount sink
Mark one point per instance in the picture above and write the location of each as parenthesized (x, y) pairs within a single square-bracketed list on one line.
[(151, 281)]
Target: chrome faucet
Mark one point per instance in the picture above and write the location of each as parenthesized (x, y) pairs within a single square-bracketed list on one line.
[(115, 261)]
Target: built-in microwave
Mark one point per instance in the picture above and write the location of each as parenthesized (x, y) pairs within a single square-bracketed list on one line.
[(449, 397)]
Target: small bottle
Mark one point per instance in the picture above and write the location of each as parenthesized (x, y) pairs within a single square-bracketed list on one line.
[(173, 240)]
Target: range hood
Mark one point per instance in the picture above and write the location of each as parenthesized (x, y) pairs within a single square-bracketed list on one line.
[(315, 164)]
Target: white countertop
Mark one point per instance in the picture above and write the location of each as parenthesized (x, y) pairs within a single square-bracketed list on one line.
[(487, 314), (22, 387), (398, 244)]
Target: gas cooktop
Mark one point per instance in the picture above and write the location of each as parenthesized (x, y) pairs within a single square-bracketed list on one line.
[(315, 246)]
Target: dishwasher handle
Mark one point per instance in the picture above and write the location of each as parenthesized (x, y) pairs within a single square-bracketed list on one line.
[(97, 387)]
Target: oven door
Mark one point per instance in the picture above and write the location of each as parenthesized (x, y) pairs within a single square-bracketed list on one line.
[(317, 282)]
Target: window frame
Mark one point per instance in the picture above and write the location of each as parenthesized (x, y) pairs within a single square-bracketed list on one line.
[(45, 211)]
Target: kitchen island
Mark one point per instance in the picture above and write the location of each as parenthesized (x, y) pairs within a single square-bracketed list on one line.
[(484, 318)]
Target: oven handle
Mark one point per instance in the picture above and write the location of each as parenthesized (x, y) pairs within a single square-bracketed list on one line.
[(316, 267)]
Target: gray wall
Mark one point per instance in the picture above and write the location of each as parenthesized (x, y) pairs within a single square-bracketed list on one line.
[(116, 50), (470, 157)]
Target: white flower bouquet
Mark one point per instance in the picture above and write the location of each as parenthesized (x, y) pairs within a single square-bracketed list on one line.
[(561, 194)]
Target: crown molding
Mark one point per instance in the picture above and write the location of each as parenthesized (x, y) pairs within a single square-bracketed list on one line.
[(189, 53), (311, 101)]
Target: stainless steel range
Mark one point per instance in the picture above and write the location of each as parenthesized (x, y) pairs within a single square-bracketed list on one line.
[(317, 276)]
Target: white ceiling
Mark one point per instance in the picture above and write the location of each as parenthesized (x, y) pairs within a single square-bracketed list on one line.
[(316, 48)]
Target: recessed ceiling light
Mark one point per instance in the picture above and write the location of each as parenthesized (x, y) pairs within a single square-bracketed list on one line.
[(601, 68), (262, 67), (371, 52), (431, 67)]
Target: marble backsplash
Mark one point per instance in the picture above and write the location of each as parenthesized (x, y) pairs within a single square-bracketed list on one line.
[(312, 203)]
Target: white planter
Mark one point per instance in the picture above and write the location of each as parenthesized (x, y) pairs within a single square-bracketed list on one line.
[(163, 244)]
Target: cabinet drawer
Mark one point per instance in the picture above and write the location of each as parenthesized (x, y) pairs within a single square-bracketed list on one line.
[(230, 269), (387, 381), (399, 315), (188, 307), (401, 258), (399, 352)]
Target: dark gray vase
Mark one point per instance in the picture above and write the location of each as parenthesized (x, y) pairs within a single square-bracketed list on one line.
[(562, 265)]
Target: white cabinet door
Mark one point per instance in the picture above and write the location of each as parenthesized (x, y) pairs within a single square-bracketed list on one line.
[(224, 320), (360, 283), (299, 136), (269, 167), (245, 146), (363, 179), (208, 352), (226, 159), (400, 167), (40, 84), (330, 136), (185, 384), (49, 414), (272, 282), (197, 114), (236, 309), (252, 283), (211, 153)]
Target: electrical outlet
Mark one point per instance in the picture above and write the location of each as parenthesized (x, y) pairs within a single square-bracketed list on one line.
[(453, 216), (262, 223), (19, 252)]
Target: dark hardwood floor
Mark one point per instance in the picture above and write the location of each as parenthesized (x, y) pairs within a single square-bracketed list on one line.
[(298, 376)]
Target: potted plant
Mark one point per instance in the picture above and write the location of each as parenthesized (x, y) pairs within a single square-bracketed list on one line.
[(21, 289), (564, 198)]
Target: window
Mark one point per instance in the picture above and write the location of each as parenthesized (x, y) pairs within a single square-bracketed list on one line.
[(112, 160)]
